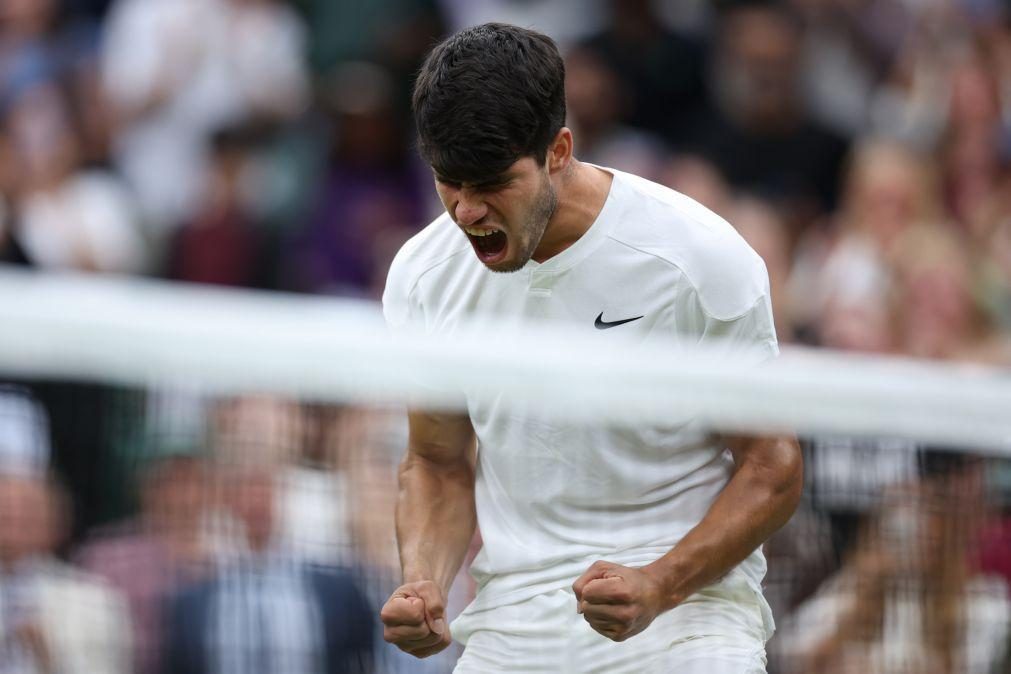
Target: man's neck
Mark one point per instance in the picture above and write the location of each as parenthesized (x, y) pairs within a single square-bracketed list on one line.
[(581, 197)]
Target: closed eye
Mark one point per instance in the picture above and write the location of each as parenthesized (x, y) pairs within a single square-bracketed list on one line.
[(449, 183), (491, 185), (484, 187)]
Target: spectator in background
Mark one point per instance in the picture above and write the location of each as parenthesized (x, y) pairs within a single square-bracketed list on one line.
[(842, 279), (697, 178), (595, 103), (53, 618), (316, 513), (991, 253), (62, 214), (42, 42), (150, 557), (662, 71), (567, 21), (973, 151), (758, 133), (24, 44), (847, 47), (374, 193), (396, 34), (177, 70), (844, 296), (27, 49), (224, 243), (937, 315), (907, 601), (911, 102), (265, 610), (45, 46)]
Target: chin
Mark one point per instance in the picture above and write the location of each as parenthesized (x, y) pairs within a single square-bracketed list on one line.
[(507, 262), (505, 266)]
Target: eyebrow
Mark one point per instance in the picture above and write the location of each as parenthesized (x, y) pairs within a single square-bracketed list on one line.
[(499, 179)]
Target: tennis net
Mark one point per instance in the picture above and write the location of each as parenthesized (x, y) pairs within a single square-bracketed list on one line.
[(153, 435)]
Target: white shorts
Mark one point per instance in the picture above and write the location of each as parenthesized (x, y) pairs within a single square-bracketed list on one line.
[(720, 630)]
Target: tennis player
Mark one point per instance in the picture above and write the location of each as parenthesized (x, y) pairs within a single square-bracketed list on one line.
[(605, 549)]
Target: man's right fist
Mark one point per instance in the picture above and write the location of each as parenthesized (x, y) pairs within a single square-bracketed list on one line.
[(414, 619)]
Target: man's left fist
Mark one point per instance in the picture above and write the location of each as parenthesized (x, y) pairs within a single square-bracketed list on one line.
[(618, 601)]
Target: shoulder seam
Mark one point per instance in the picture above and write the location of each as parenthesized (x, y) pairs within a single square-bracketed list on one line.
[(439, 262), (744, 313), (688, 279), (646, 252)]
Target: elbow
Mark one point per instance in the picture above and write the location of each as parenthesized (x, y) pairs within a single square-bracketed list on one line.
[(790, 483), (775, 468), (416, 466)]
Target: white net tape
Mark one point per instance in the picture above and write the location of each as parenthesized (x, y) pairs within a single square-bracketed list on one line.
[(143, 333)]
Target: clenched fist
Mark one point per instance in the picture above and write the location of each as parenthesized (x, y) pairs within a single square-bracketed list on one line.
[(618, 601), (414, 619)]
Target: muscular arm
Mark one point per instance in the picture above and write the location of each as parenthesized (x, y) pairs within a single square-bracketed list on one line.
[(435, 509), (435, 523), (760, 497), (763, 493)]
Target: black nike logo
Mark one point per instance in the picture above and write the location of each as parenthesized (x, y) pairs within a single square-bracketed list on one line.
[(601, 324)]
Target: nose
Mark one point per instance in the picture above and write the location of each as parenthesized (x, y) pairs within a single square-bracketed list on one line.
[(470, 208)]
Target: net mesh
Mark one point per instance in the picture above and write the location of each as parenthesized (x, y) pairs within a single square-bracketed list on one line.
[(202, 480)]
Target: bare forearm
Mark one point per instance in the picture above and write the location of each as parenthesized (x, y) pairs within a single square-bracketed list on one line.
[(760, 497), (435, 519)]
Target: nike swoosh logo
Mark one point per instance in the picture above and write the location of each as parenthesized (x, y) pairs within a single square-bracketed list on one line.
[(601, 324)]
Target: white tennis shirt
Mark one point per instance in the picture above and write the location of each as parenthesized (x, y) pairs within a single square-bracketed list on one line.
[(553, 497)]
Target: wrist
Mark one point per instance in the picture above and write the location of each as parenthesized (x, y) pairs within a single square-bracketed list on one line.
[(415, 573), (672, 577)]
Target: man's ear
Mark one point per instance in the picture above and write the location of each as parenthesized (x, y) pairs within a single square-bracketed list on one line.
[(560, 150)]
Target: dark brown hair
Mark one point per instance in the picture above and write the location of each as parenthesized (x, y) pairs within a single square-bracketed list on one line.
[(486, 97)]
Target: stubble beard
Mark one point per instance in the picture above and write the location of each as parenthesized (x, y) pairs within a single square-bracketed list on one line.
[(534, 226)]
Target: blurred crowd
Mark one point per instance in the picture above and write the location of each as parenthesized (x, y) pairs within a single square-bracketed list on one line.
[(862, 147), (258, 537)]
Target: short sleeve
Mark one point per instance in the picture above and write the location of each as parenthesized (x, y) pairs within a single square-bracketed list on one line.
[(731, 311), (397, 297), (751, 336)]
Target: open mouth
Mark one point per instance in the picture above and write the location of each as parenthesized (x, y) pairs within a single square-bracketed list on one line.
[(489, 244)]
